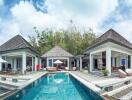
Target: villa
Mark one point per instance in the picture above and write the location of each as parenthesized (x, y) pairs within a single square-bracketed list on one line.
[(19, 54), (110, 51)]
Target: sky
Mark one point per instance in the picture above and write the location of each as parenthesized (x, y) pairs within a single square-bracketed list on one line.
[(20, 16)]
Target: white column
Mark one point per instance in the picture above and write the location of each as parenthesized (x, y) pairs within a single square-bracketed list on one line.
[(12, 66), (40, 63), (6, 63), (77, 63), (91, 62), (80, 63), (47, 62), (113, 61), (52, 62), (32, 64), (131, 62), (24, 62), (1, 64), (15, 64), (126, 62), (36, 62), (108, 61), (68, 63)]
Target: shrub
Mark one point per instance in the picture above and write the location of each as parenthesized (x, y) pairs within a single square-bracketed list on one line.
[(105, 72)]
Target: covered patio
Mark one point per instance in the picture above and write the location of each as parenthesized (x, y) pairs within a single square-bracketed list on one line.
[(111, 52)]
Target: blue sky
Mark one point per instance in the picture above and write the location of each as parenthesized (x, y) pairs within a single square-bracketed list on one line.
[(20, 16)]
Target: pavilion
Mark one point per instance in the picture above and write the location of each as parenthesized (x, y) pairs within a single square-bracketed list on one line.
[(110, 51), (19, 54)]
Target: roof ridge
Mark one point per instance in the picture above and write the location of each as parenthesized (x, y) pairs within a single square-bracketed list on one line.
[(25, 42), (121, 36)]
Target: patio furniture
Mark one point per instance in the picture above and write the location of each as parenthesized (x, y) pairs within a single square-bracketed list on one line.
[(115, 69), (74, 68), (3, 78), (121, 73), (51, 68), (111, 84), (66, 68), (14, 80), (129, 72)]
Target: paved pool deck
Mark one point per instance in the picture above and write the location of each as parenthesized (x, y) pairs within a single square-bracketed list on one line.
[(122, 91), (88, 79), (22, 79)]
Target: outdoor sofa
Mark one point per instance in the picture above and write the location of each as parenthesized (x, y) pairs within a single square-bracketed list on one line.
[(51, 69)]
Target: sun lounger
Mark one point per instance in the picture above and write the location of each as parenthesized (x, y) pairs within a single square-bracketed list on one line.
[(14, 80), (129, 72), (109, 84), (121, 73), (3, 78)]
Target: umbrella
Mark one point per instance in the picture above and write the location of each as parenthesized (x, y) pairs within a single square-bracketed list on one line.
[(2, 60), (58, 62)]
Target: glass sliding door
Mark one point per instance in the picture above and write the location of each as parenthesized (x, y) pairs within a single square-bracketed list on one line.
[(50, 62)]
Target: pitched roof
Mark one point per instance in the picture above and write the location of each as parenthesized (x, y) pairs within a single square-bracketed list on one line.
[(111, 36), (17, 42), (57, 52)]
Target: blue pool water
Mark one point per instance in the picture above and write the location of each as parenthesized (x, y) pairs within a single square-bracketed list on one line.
[(58, 86)]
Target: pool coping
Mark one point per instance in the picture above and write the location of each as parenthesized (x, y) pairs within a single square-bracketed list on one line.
[(86, 83), (81, 80)]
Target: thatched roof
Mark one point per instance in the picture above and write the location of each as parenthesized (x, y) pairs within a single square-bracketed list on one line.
[(57, 52), (15, 43)]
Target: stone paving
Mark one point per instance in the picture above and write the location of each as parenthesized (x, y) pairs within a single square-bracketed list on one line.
[(89, 77), (125, 93)]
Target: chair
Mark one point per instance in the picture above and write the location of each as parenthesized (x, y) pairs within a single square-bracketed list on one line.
[(121, 73)]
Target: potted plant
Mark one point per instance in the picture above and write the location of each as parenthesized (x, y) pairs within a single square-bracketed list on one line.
[(105, 72)]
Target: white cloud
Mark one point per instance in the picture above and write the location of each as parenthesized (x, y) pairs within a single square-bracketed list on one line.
[(84, 13), (8, 30), (125, 29), (1, 2)]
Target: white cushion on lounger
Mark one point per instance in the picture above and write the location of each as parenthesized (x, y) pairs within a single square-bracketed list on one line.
[(129, 70)]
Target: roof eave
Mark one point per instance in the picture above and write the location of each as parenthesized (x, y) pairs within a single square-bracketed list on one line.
[(108, 40)]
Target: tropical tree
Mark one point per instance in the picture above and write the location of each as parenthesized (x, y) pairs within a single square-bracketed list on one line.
[(71, 40)]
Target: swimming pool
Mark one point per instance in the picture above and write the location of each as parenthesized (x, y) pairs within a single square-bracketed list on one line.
[(56, 86)]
